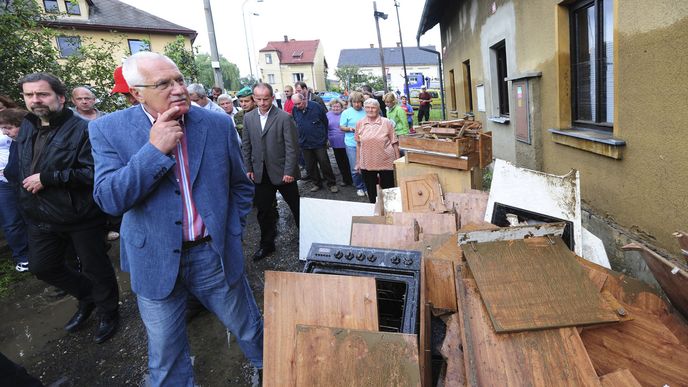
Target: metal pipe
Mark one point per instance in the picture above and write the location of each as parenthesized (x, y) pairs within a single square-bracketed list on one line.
[(439, 63)]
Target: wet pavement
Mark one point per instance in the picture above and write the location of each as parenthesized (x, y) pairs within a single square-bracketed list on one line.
[(32, 334)]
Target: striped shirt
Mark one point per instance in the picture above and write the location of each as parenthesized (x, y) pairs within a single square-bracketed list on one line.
[(192, 225)]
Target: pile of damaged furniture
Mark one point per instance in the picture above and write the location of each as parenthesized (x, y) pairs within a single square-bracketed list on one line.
[(442, 284)]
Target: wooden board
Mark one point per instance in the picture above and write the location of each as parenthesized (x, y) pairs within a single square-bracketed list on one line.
[(429, 222), (643, 345), (511, 233), (421, 194), (448, 146), (369, 219), (312, 299), (464, 163), (485, 149), (452, 180), (682, 239), (425, 336), (551, 357), (451, 351), (672, 279), (620, 378), (535, 283), (440, 286), (383, 235), (443, 247), (470, 206), (327, 356)]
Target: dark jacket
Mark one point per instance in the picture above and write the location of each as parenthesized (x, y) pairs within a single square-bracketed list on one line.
[(66, 172), (312, 125)]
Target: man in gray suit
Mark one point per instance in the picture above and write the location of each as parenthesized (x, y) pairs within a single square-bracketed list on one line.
[(270, 146)]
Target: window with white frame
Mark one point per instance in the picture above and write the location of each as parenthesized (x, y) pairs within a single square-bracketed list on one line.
[(297, 77), (271, 79)]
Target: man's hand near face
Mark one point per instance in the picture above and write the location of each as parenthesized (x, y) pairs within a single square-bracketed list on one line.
[(166, 131)]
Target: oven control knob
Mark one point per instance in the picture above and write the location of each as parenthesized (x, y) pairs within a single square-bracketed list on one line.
[(349, 255), (338, 254), (408, 261), (360, 256), (372, 258), (396, 260)]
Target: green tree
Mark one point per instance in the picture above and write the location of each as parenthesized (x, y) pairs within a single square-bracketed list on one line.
[(351, 77), (375, 81), (248, 80), (25, 45), (183, 57), (230, 72)]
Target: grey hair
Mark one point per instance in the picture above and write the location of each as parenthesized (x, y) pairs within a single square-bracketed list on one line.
[(223, 97), (130, 67), (297, 96), (335, 101), (371, 101), (196, 88)]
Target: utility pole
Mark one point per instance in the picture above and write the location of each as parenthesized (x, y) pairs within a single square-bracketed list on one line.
[(214, 57), (403, 56), (378, 15)]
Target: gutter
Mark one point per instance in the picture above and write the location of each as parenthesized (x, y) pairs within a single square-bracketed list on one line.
[(439, 63)]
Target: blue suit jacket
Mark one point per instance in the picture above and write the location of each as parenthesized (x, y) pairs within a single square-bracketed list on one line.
[(135, 179)]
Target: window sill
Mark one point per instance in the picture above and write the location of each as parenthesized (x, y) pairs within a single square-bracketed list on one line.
[(499, 120), (589, 140)]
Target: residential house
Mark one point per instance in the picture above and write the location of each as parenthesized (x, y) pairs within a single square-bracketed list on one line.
[(112, 20), (284, 62), (595, 85), (421, 66)]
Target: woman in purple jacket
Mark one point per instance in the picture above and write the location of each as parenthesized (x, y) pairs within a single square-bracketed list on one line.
[(336, 138)]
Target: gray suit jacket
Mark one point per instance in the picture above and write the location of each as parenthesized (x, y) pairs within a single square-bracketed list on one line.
[(277, 147)]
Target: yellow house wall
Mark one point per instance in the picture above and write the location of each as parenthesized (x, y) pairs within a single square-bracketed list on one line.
[(644, 192), (314, 74)]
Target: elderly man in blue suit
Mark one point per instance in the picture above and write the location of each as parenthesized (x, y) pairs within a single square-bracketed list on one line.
[(177, 177)]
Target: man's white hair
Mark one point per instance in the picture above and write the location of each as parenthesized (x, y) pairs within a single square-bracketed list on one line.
[(223, 97), (130, 67), (196, 88)]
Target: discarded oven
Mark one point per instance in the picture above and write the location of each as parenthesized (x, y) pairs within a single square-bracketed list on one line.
[(396, 272)]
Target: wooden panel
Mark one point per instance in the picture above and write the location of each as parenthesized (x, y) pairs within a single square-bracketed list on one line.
[(643, 345), (440, 286), (620, 378), (432, 145), (383, 235), (452, 352), (425, 337), (470, 206), (443, 247), (510, 233), (312, 299), (551, 357), (672, 279), (327, 356), (422, 194), (534, 283), (369, 219), (429, 222), (470, 160), (452, 180), (485, 149), (682, 239)]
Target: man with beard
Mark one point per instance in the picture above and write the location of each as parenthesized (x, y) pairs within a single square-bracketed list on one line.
[(179, 180), (55, 170)]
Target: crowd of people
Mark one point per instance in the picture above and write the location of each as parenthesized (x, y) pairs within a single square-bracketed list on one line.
[(176, 174)]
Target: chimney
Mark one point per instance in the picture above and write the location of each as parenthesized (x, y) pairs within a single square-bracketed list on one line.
[(398, 44), (372, 45), (286, 38)]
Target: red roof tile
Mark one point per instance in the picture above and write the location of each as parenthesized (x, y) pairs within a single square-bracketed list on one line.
[(294, 51)]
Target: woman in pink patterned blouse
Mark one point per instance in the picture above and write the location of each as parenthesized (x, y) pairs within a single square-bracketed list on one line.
[(376, 149)]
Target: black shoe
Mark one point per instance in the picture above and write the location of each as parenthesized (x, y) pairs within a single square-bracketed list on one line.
[(263, 252), (82, 314), (107, 326)]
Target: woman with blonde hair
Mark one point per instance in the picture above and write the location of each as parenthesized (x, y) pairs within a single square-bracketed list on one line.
[(396, 114), (377, 147)]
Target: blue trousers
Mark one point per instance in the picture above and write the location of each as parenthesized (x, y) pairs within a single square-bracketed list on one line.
[(356, 176), (201, 274), (12, 223)]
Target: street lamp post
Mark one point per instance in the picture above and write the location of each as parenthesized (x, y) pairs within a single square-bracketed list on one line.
[(377, 16), (248, 48), (403, 56), (215, 58)]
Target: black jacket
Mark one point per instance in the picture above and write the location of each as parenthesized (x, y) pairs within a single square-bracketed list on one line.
[(66, 171)]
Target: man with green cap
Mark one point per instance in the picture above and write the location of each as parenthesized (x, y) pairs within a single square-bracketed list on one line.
[(247, 104)]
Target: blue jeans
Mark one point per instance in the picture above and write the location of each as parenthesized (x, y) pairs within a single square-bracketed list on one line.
[(12, 223), (201, 274), (351, 155)]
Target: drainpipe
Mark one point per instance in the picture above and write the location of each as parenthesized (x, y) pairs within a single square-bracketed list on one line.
[(439, 62)]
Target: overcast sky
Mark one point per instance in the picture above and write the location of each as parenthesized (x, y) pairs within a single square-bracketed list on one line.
[(338, 24)]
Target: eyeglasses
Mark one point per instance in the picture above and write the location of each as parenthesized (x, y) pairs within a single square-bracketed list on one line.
[(37, 94), (166, 84)]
